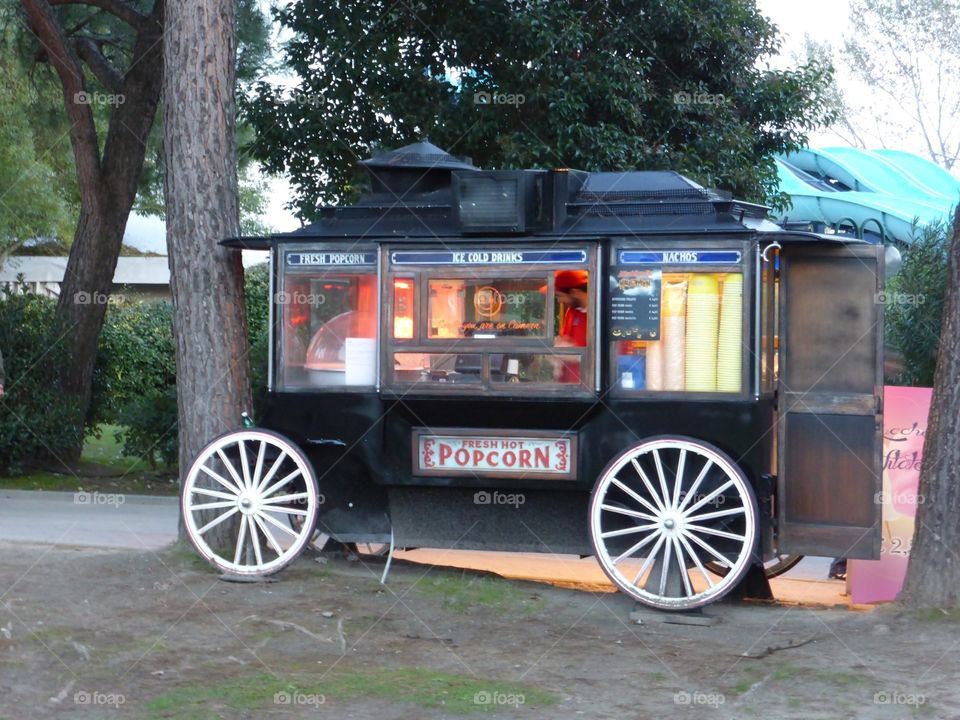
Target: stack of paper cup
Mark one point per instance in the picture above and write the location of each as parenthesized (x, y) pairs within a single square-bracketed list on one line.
[(674, 339), (703, 319), (730, 342)]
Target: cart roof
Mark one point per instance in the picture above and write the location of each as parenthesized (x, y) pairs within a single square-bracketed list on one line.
[(413, 200)]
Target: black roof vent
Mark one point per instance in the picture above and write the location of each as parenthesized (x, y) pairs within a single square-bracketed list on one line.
[(415, 169), (617, 187)]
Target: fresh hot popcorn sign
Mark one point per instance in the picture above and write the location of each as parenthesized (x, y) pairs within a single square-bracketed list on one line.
[(517, 456)]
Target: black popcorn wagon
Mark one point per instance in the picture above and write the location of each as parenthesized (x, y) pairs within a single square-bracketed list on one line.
[(616, 364)]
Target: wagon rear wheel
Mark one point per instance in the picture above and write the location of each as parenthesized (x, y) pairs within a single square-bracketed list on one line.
[(662, 511), (256, 480)]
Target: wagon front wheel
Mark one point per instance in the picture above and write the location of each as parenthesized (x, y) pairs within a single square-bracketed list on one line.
[(662, 512), (238, 497)]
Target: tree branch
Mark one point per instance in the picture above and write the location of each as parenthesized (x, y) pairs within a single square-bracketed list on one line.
[(83, 133), (114, 7), (88, 51)]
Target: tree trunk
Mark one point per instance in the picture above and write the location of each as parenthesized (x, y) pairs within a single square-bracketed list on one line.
[(933, 575), (202, 207), (108, 184)]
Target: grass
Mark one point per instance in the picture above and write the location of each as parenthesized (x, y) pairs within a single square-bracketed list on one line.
[(114, 472), (463, 592), (457, 694)]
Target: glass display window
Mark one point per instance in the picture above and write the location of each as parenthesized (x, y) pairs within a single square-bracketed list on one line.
[(509, 324), (327, 319), (676, 330)]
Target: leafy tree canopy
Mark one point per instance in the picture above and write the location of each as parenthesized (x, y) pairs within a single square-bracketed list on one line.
[(618, 84), (30, 203)]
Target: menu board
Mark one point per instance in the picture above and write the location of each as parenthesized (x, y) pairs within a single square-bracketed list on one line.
[(634, 304)]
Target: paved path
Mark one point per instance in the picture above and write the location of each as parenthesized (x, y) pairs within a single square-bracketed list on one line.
[(138, 522)]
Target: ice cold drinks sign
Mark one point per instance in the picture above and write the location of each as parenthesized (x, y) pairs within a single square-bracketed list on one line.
[(495, 455)]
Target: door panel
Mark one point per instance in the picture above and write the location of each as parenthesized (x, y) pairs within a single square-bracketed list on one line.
[(830, 400)]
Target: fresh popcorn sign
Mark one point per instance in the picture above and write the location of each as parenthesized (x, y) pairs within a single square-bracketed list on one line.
[(508, 455)]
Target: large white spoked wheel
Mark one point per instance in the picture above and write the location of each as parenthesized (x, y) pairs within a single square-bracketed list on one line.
[(662, 511), (239, 496)]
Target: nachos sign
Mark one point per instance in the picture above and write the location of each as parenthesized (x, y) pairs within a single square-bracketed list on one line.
[(460, 453)]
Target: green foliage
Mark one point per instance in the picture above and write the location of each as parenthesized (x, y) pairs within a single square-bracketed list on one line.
[(35, 419), (257, 294), (914, 304), (618, 85), (134, 382), (30, 204)]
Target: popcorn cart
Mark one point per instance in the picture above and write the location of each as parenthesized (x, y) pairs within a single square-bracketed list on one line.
[(616, 364)]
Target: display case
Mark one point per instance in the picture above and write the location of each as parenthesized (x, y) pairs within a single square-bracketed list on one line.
[(326, 306), (679, 319), (493, 319)]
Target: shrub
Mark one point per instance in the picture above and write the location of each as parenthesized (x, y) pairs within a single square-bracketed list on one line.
[(135, 378), (35, 420), (914, 304)]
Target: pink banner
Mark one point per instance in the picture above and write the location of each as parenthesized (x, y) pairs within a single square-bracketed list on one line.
[(904, 428)]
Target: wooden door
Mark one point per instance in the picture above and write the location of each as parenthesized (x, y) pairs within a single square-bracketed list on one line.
[(830, 397)]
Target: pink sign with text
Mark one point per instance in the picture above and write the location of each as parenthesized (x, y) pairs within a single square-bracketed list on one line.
[(904, 428)]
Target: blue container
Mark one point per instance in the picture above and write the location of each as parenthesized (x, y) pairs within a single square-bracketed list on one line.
[(637, 366)]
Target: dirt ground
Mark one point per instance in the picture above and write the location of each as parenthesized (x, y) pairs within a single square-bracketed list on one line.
[(115, 634)]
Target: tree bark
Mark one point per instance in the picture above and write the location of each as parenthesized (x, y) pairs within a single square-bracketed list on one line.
[(202, 208), (933, 574), (108, 183)]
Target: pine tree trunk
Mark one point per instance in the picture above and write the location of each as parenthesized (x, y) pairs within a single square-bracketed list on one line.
[(933, 575), (202, 208)]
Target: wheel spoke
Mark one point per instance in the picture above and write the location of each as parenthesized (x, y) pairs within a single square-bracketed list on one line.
[(696, 560), (662, 478), (271, 540), (216, 521), (286, 498), (714, 531), (214, 505), (635, 495), (283, 509), (257, 553), (273, 470), (230, 468), (646, 481), (691, 493), (245, 465), (280, 483), (678, 477), (241, 539), (627, 512), (637, 546), (678, 551), (720, 558), (707, 498), (665, 569), (213, 493), (280, 525), (220, 479), (258, 468), (625, 531), (717, 514), (650, 558)]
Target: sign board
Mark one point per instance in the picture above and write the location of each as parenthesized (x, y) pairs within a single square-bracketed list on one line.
[(905, 411), (488, 256), (679, 257), (330, 259), (524, 454), (635, 304)]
